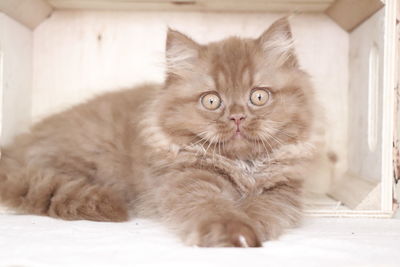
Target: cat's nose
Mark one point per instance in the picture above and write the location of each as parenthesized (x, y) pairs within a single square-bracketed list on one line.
[(237, 118)]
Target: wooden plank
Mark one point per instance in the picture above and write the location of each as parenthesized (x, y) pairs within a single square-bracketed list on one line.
[(351, 13), (388, 96), (28, 12), (357, 193), (350, 213), (196, 5), (396, 152), (16, 43), (364, 132)]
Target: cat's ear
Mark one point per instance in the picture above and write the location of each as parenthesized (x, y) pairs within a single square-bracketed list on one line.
[(278, 44), (181, 52)]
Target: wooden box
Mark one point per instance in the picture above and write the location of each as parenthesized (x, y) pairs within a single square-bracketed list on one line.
[(56, 53)]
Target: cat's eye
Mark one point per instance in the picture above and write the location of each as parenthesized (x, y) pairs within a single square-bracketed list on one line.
[(211, 101), (259, 96)]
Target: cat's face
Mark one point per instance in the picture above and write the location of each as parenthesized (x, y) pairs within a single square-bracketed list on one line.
[(237, 97)]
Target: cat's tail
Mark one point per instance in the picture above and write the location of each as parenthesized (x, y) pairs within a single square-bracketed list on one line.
[(60, 195)]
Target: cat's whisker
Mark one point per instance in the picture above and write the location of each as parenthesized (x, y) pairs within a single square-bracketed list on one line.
[(193, 145), (265, 147), (281, 131), (209, 144), (258, 143), (266, 141), (219, 147), (215, 141), (215, 145), (203, 134), (270, 136), (262, 147), (197, 136), (202, 146), (277, 139), (288, 135)]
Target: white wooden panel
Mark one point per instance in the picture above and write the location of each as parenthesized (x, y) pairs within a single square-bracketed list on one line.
[(388, 96), (81, 54), (397, 113), (364, 161), (16, 47), (196, 5)]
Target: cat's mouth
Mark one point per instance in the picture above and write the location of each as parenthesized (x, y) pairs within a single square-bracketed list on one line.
[(239, 135), (243, 135)]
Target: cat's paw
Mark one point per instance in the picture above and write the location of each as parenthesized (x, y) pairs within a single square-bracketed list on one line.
[(226, 233)]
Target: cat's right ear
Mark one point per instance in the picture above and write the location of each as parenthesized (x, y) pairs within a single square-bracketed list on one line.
[(181, 52), (278, 44)]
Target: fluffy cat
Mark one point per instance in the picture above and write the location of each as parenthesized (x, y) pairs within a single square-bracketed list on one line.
[(217, 153)]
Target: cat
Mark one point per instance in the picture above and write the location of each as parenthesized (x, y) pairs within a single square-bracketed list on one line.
[(217, 153)]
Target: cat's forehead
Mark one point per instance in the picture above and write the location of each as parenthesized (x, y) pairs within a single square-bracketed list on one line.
[(232, 63)]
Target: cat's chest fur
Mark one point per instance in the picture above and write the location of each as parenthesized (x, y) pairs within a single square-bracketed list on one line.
[(247, 166)]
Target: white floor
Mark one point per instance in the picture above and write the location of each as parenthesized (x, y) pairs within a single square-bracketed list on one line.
[(41, 241)]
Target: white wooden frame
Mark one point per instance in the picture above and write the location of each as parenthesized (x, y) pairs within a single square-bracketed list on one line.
[(383, 191)]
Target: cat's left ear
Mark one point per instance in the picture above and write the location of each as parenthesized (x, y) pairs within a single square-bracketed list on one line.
[(278, 44), (181, 52)]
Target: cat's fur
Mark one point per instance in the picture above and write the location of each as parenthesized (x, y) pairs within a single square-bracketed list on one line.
[(155, 152)]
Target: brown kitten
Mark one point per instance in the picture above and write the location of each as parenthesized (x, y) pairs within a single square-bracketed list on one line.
[(217, 153)]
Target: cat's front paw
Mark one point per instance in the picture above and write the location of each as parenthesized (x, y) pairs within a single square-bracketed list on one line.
[(226, 233)]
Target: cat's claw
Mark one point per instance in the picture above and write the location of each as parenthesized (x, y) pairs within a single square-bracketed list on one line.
[(243, 242), (227, 233)]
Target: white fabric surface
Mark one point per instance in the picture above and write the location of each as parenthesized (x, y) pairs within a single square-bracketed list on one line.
[(41, 241)]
